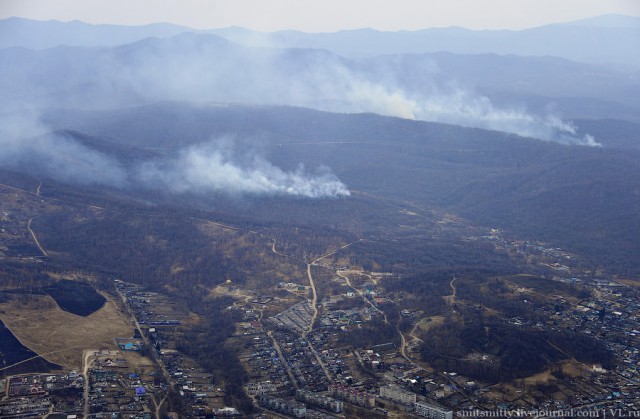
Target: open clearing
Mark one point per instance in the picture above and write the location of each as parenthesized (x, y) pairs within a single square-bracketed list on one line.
[(43, 327), (425, 324)]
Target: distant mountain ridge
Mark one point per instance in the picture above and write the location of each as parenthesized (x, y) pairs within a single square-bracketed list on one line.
[(34, 34), (441, 87), (603, 39)]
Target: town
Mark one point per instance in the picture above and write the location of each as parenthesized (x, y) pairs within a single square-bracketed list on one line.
[(317, 375), (302, 361)]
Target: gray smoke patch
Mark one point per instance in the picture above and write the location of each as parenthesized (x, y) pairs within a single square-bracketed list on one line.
[(324, 81), (461, 107), (332, 86), (214, 168), (26, 145), (194, 68)]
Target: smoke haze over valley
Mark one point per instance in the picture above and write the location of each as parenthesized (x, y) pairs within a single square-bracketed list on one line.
[(203, 68), (190, 113), (206, 68), (214, 166), (222, 222)]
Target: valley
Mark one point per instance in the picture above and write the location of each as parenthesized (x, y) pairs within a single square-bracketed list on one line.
[(371, 318), (204, 223)]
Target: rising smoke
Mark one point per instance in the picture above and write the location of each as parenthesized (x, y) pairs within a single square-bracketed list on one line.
[(213, 167), (330, 85), (27, 145), (464, 108), (193, 68), (321, 80), (205, 68)]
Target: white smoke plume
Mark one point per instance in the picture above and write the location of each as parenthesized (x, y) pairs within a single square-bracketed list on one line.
[(204, 68), (464, 108), (336, 88), (329, 83), (27, 145), (213, 168)]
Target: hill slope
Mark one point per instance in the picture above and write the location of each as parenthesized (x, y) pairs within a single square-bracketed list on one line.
[(587, 199)]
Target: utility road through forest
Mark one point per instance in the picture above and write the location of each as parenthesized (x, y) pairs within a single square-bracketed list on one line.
[(35, 238), (451, 299), (85, 374), (342, 275), (314, 305), (314, 299)]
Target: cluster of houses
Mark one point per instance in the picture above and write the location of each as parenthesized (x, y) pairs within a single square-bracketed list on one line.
[(158, 319), (301, 361), (296, 318), (40, 394), (291, 408), (122, 392)]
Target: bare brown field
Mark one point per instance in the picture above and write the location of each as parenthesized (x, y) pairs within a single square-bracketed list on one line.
[(60, 337), (223, 290), (424, 325), (542, 377), (135, 361), (526, 388), (629, 282), (573, 368)]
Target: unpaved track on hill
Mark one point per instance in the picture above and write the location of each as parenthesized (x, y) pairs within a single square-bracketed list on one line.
[(35, 238), (314, 299)]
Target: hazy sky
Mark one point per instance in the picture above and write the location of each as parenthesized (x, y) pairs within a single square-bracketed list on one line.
[(321, 15)]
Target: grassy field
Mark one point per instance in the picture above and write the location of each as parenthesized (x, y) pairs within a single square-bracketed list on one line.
[(59, 336), (425, 324)]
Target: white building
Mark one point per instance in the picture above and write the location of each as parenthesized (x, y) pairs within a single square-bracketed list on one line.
[(431, 411), (265, 387), (397, 395)]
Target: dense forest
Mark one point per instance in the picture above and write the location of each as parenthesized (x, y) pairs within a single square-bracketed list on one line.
[(472, 209), (421, 196), (491, 350), (573, 197)]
